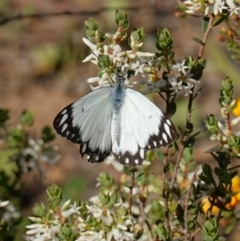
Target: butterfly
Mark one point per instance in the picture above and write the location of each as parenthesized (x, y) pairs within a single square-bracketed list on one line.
[(115, 119)]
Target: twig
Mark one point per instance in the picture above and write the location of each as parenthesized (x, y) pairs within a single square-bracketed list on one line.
[(206, 35), (190, 103), (189, 108), (6, 20), (144, 216), (131, 192), (229, 122), (186, 207), (166, 193), (193, 235)]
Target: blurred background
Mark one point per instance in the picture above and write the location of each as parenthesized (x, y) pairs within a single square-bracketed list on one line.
[(41, 70)]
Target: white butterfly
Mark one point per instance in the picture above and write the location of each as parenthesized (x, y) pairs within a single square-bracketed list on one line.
[(118, 120)]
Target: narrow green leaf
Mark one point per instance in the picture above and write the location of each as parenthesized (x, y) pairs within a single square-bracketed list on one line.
[(198, 41), (205, 23), (219, 20)]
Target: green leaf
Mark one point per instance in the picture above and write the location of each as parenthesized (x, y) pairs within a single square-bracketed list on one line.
[(121, 19), (220, 20), (106, 180), (162, 232), (173, 206), (40, 210), (27, 118), (54, 196), (4, 116), (188, 154), (47, 134), (205, 24), (170, 167), (66, 232), (104, 198), (91, 24), (160, 155), (198, 41)]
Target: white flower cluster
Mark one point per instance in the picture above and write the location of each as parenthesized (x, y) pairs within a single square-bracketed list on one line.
[(135, 61), (8, 212), (124, 60), (212, 6), (34, 151), (184, 82), (224, 134), (43, 229), (98, 223)]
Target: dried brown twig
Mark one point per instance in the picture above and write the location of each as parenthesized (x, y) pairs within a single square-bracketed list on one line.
[(5, 20)]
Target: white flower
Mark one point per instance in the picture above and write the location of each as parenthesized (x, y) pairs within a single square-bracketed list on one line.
[(192, 7), (103, 81), (89, 44), (135, 190), (9, 211), (3, 203), (218, 7), (42, 232), (95, 210), (36, 228), (235, 121), (188, 89), (208, 8), (120, 235), (180, 67), (232, 7), (96, 207), (149, 87), (224, 128), (176, 85), (113, 36), (135, 45), (144, 54), (72, 210), (188, 78), (35, 219), (116, 164)]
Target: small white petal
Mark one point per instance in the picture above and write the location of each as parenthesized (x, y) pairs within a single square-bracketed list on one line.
[(66, 204), (4, 203), (89, 44), (235, 121)]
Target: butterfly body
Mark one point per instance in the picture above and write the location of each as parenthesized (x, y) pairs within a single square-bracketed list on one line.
[(115, 119), (118, 96)]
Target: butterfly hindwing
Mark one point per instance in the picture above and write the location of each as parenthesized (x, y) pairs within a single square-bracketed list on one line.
[(87, 121), (143, 127)]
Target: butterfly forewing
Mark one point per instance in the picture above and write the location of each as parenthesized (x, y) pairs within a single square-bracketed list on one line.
[(87, 122)]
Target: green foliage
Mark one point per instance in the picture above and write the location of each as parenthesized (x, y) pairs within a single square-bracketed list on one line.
[(4, 116), (210, 230), (20, 155), (121, 19)]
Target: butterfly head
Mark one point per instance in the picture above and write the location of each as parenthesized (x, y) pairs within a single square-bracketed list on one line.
[(121, 78)]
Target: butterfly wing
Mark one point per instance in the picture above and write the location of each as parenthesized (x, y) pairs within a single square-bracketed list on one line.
[(87, 121), (143, 127)]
